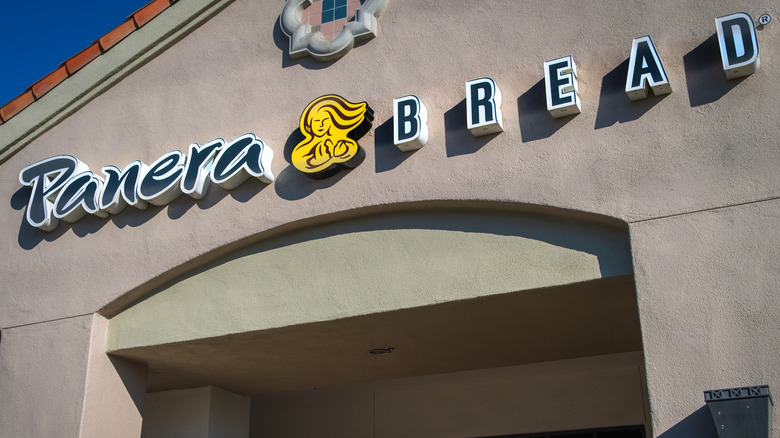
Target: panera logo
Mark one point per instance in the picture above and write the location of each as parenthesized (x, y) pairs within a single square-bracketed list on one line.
[(331, 126)]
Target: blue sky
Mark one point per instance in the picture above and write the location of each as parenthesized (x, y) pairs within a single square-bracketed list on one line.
[(37, 35)]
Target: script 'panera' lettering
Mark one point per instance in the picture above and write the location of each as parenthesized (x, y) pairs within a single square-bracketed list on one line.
[(64, 188)]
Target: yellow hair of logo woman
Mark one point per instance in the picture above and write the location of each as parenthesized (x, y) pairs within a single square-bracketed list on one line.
[(331, 125)]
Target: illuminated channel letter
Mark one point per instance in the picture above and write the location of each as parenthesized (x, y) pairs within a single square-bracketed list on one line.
[(160, 184), (646, 71), (331, 126), (483, 107), (195, 181), (410, 123), (738, 45), (244, 157), (79, 197), (46, 178), (64, 188), (560, 78), (121, 187)]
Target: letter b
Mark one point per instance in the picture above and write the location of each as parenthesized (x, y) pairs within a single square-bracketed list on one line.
[(410, 123)]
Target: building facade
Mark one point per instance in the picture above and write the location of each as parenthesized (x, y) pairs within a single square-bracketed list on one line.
[(584, 275)]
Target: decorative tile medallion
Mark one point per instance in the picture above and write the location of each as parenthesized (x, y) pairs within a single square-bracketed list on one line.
[(327, 29)]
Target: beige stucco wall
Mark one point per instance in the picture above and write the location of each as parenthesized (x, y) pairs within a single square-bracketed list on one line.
[(181, 413), (58, 381), (206, 412), (44, 367), (693, 174), (225, 79), (114, 390), (708, 298)]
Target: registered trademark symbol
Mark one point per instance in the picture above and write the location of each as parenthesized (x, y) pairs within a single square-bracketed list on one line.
[(764, 19)]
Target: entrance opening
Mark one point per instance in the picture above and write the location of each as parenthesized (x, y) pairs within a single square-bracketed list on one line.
[(621, 432), (493, 322)]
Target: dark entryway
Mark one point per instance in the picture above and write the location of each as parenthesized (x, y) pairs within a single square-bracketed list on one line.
[(622, 432)]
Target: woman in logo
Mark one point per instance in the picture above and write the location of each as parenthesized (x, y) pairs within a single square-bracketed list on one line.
[(331, 124)]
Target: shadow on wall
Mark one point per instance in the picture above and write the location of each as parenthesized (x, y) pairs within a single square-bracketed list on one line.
[(609, 245), (29, 237), (386, 153), (704, 73), (536, 123), (614, 104), (243, 193), (293, 185), (458, 140), (133, 377), (697, 425), (283, 43)]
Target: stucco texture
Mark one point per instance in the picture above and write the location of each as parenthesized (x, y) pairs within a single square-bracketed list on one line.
[(695, 174), (370, 265), (32, 358), (226, 78), (708, 298)]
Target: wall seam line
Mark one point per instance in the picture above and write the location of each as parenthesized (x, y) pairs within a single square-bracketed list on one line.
[(723, 207), (47, 321)]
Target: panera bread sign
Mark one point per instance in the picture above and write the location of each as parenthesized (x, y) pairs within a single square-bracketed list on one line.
[(64, 188)]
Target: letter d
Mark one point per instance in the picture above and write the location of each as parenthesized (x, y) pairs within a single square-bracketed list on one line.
[(738, 45)]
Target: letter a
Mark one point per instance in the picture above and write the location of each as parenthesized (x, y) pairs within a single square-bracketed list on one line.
[(645, 70)]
